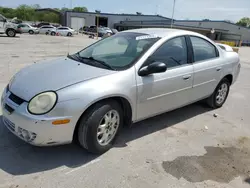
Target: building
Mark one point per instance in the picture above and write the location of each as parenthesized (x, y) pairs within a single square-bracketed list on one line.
[(216, 30), (79, 19)]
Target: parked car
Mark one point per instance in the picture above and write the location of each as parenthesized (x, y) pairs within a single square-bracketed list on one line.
[(84, 30), (65, 31), (114, 31), (47, 29), (26, 28), (125, 78), (43, 24), (8, 27), (107, 29)]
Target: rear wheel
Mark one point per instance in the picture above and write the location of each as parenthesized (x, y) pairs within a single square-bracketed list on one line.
[(219, 97), (99, 127), (11, 33), (53, 33)]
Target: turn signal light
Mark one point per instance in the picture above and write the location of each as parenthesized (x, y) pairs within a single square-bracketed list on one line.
[(61, 122)]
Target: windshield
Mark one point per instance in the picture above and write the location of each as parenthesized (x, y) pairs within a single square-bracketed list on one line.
[(119, 51)]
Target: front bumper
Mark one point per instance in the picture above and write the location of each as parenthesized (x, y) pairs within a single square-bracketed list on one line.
[(35, 130)]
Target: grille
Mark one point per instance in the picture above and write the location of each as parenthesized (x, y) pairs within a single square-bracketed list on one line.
[(8, 108), (16, 99), (9, 124)]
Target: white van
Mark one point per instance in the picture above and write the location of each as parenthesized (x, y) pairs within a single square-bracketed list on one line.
[(8, 28)]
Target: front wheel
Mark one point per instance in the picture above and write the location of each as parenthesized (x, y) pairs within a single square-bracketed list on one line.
[(219, 97), (99, 127), (69, 34), (31, 32)]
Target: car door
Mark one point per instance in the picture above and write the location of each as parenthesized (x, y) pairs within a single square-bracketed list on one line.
[(65, 31), (25, 28), (2, 23), (161, 92), (43, 29), (207, 67)]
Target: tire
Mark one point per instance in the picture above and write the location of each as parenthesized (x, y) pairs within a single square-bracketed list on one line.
[(90, 123), (46, 33), (31, 32), (11, 33), (213, 101), (53, 33), (69, 34)]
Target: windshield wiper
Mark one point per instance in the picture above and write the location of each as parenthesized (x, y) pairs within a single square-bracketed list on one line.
[(99, 61), (75, 57)]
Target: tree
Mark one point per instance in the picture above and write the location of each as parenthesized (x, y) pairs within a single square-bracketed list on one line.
[(244, 22), (36, 6), (27, 13), (80, 9), (64, 9)]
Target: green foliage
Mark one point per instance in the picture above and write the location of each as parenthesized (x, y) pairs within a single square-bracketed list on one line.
[(244, 22), (28, 13), (80, 9)]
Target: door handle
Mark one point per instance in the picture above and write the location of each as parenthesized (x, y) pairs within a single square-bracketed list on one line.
[(186, 77), (218, 68)]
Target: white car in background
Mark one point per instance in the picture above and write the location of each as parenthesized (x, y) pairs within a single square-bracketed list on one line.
[(47, 29), (27, 28), (65, 31)]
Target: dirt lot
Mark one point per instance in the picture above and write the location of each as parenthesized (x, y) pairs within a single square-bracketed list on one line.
[(188, 147)]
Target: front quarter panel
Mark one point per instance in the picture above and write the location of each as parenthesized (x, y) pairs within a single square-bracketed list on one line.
[(75, 99)]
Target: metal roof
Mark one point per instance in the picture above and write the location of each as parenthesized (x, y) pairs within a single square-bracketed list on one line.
[(103, 13)]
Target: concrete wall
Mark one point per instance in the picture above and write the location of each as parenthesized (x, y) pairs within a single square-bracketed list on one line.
[(112, 18), (244, 32)]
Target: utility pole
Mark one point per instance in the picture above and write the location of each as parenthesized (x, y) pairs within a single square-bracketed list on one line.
[(172, 20)]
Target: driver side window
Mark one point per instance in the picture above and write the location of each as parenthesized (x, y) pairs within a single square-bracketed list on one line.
[(173, 53)]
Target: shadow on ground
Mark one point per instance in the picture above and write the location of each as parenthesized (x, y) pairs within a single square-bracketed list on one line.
[(19, 158), (17, 36)]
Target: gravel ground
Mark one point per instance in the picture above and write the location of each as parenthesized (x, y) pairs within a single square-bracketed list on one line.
[(188, 147)]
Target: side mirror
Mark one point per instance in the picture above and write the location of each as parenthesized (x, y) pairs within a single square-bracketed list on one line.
[(156, 67), (4, 20)]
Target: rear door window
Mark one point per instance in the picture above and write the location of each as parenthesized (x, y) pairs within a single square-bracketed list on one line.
[(202, 49)]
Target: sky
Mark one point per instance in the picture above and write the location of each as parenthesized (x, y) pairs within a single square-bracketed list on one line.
[(185, 9)]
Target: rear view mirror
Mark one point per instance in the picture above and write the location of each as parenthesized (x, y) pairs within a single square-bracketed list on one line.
[(156, 67)]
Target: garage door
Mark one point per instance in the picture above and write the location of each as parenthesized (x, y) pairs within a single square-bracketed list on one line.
[(77, 23)]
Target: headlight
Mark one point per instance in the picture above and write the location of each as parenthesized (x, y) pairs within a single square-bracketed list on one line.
[(42, 103)]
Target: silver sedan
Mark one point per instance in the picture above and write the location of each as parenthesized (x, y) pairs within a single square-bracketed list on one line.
[(133, 75), (26, 28)]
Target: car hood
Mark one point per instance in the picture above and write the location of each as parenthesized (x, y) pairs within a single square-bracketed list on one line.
[(52, 75)]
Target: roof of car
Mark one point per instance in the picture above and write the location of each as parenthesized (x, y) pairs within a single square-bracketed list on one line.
[(162, 32)]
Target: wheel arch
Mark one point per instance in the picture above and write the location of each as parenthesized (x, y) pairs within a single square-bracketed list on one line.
[(125, 105), (229, 77)]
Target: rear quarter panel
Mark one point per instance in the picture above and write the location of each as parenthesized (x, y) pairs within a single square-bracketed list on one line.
[(231, 62)]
